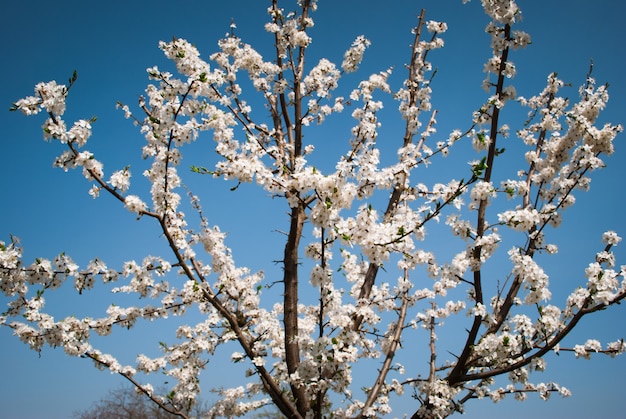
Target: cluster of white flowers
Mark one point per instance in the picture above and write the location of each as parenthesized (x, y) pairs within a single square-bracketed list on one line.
[(354, 55), (48, 96), (603, 284), (559, 159), (534, 278), (231, 404), (135, 204), (501, 11), (439, 399), (481, 191), (322, 79), (543, 389), (521, 220), (121, 180)]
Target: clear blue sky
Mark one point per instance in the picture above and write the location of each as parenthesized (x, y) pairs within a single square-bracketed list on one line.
[(111, 43)]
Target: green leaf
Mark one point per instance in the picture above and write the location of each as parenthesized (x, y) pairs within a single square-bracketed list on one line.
[(201, 170), (479, 168), (73, 79)]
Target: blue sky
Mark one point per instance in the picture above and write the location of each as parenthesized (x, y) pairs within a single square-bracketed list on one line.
[(111, 44)]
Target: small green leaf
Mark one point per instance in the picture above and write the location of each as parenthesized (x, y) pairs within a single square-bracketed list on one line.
[(479, 168), (201, 170), (73, 79)]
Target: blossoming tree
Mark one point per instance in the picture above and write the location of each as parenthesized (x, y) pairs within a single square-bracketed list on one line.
[(340, 308)]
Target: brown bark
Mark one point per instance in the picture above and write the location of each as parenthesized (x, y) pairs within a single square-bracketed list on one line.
[(292, 348)]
